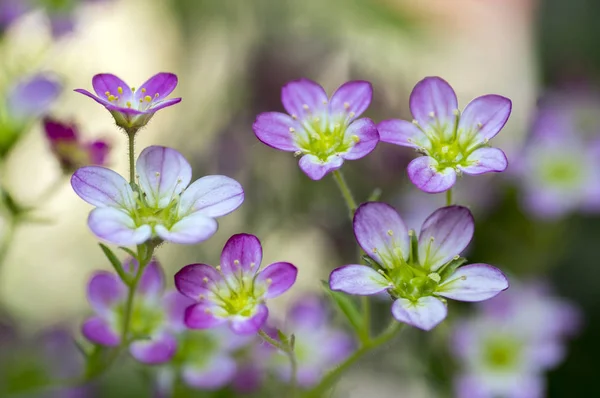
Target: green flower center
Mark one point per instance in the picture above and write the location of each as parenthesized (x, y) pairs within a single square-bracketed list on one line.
[(145, 318), (501, 352), (562, 172), (238, 295), (323, 138), (152, 216)]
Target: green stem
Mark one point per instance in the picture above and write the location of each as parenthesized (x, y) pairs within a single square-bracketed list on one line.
[(345, 190), (131, 153), (328, 381), (449, 197), (289, 351)]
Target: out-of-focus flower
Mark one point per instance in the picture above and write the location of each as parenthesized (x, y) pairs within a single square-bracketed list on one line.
[(10, 11), (151, 337), (507, 346), (133, 108), (25, 101), (559, 168), (70, 150), (166, 207), (235, 291), (318, 346), (418, 273), (452, 142), (324, 131)]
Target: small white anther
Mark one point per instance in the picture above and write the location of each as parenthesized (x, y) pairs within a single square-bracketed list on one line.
[(297, 153), (346, 105), (292, 129), (456, 112), (305, 107), (431, 114)]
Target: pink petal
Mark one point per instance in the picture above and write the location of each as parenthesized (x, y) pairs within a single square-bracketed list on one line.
[(316, 169), (190, 230), (242, 254), (488, 111), (433, 94), (116, 226), (474, 282), (357, 279), (403, 133), (484, 160), (303, 97), (365, 131), (351, 99), (425, 313), (100, 187), (195, 280), (277, 279), (273, 129), (97, 331), (424, 173), (212, 196)]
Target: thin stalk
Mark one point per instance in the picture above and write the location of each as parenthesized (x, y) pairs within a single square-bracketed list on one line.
[(345, 190), (131, 153), (449, 197), (289, 351)]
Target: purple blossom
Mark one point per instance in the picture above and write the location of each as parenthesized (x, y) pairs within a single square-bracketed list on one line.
[(164, 207), (151, 336), (507, 346), (318, 346), (10, 11), (235, 291), (323, 131), (133, 108), (418, 273), (31, 97), (452, 142), (69, 148), (559, 167)]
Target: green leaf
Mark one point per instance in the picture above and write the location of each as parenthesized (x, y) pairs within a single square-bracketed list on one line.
[(347, 306), (129, 251), (116, 263), (450, 267), (282, 337)]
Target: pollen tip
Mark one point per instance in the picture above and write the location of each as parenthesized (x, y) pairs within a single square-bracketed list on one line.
[(148, 98), (133, 89), (294, 117), (120, 90), (390, 232), (411, 232), (431, 114), (324, 102), (292, 130), (355, 138), (156, 95), (143, 90), (374, 250), (435, 277), (107, 93), (479, 125), (297, 153), (456, 112), (415, 122), (205, 279), (381, 271), (157, 174), (431, 238), (201, 297), (269, 281), (305, 107), (207, 310), (236, 262), (252, 265), (464, 277), (129, 104), (218, 267), (346, 105), (351, 114)]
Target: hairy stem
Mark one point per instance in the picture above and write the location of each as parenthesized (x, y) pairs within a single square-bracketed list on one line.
[(289, 351), (131, 153)]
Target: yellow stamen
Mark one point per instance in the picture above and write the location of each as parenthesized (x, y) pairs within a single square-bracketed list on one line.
[(148, 98), (120, 90)]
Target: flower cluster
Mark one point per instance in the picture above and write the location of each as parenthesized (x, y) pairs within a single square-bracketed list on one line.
[(417, 272), (505, 349)]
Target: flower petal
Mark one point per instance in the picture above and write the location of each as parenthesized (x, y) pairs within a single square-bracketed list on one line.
[(157, 350), (217, 372), (484, 160), (381, 233), (445, 234), (425, 313), (99, 100), (106, 82), (156, 106), (190, 280), (190, 230), (163, 174), (152, 282), (424, 173), (201, 316), (162, 84), (104, 291), (242, 254), (100, 187), (303, 97), (310, 312), (98, 152), (175, 305), (116, 226), (316, 169), (213, 196), (96, 330), (357, 279), (474, 282), (273, 129), (352, 98), (433, 94), (32, 97), (363, 135), (277, 278), (250, 325), (403, 133), (488, 111)]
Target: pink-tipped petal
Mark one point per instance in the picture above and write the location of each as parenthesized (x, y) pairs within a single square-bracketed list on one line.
[(190, 230), (474, 282), (106, 82), (97, 331), (484, 117), (216, 373), (358, 279), (202, 316), (212, 196), (250, 325), (195, 280), (158, 349), (425, 313), (403, 133), (381, 233), (433, 96), (277, 278), (352, 98), (242, 254), (316, 169), (303, 97), (162, 84), (105, 291), (116, 226), (485, 160), (424, 173), (274, 130), (363, 136), (445, 234), (100, 187), (163, 174)]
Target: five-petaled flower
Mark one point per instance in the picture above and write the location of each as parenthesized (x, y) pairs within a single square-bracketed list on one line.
[(162, 207), (150, 332), (235, 291), (133, 108), (323, 131), (70, 150), (418, 273), (452, 142)]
